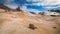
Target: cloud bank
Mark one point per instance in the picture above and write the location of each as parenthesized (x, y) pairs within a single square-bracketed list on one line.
[(45, 3)]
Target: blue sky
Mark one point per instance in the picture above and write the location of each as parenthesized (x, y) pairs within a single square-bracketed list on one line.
[(33, 5)]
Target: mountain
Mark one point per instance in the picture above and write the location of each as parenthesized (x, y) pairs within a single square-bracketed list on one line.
[(4, 7)]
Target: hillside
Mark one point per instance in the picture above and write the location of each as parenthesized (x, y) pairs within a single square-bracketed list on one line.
[(4, 7), (23, 23)]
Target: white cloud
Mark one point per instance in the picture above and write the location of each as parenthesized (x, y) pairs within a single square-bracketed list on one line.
[(47, 3), (9, 0), (33, 10), (11, 6), (33, 0), (24, 8), (50, 2), (52, 7)]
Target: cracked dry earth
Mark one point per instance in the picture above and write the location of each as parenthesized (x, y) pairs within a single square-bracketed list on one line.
[(23, 23)]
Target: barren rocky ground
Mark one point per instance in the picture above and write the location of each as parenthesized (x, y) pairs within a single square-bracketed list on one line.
[(24, 23)]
